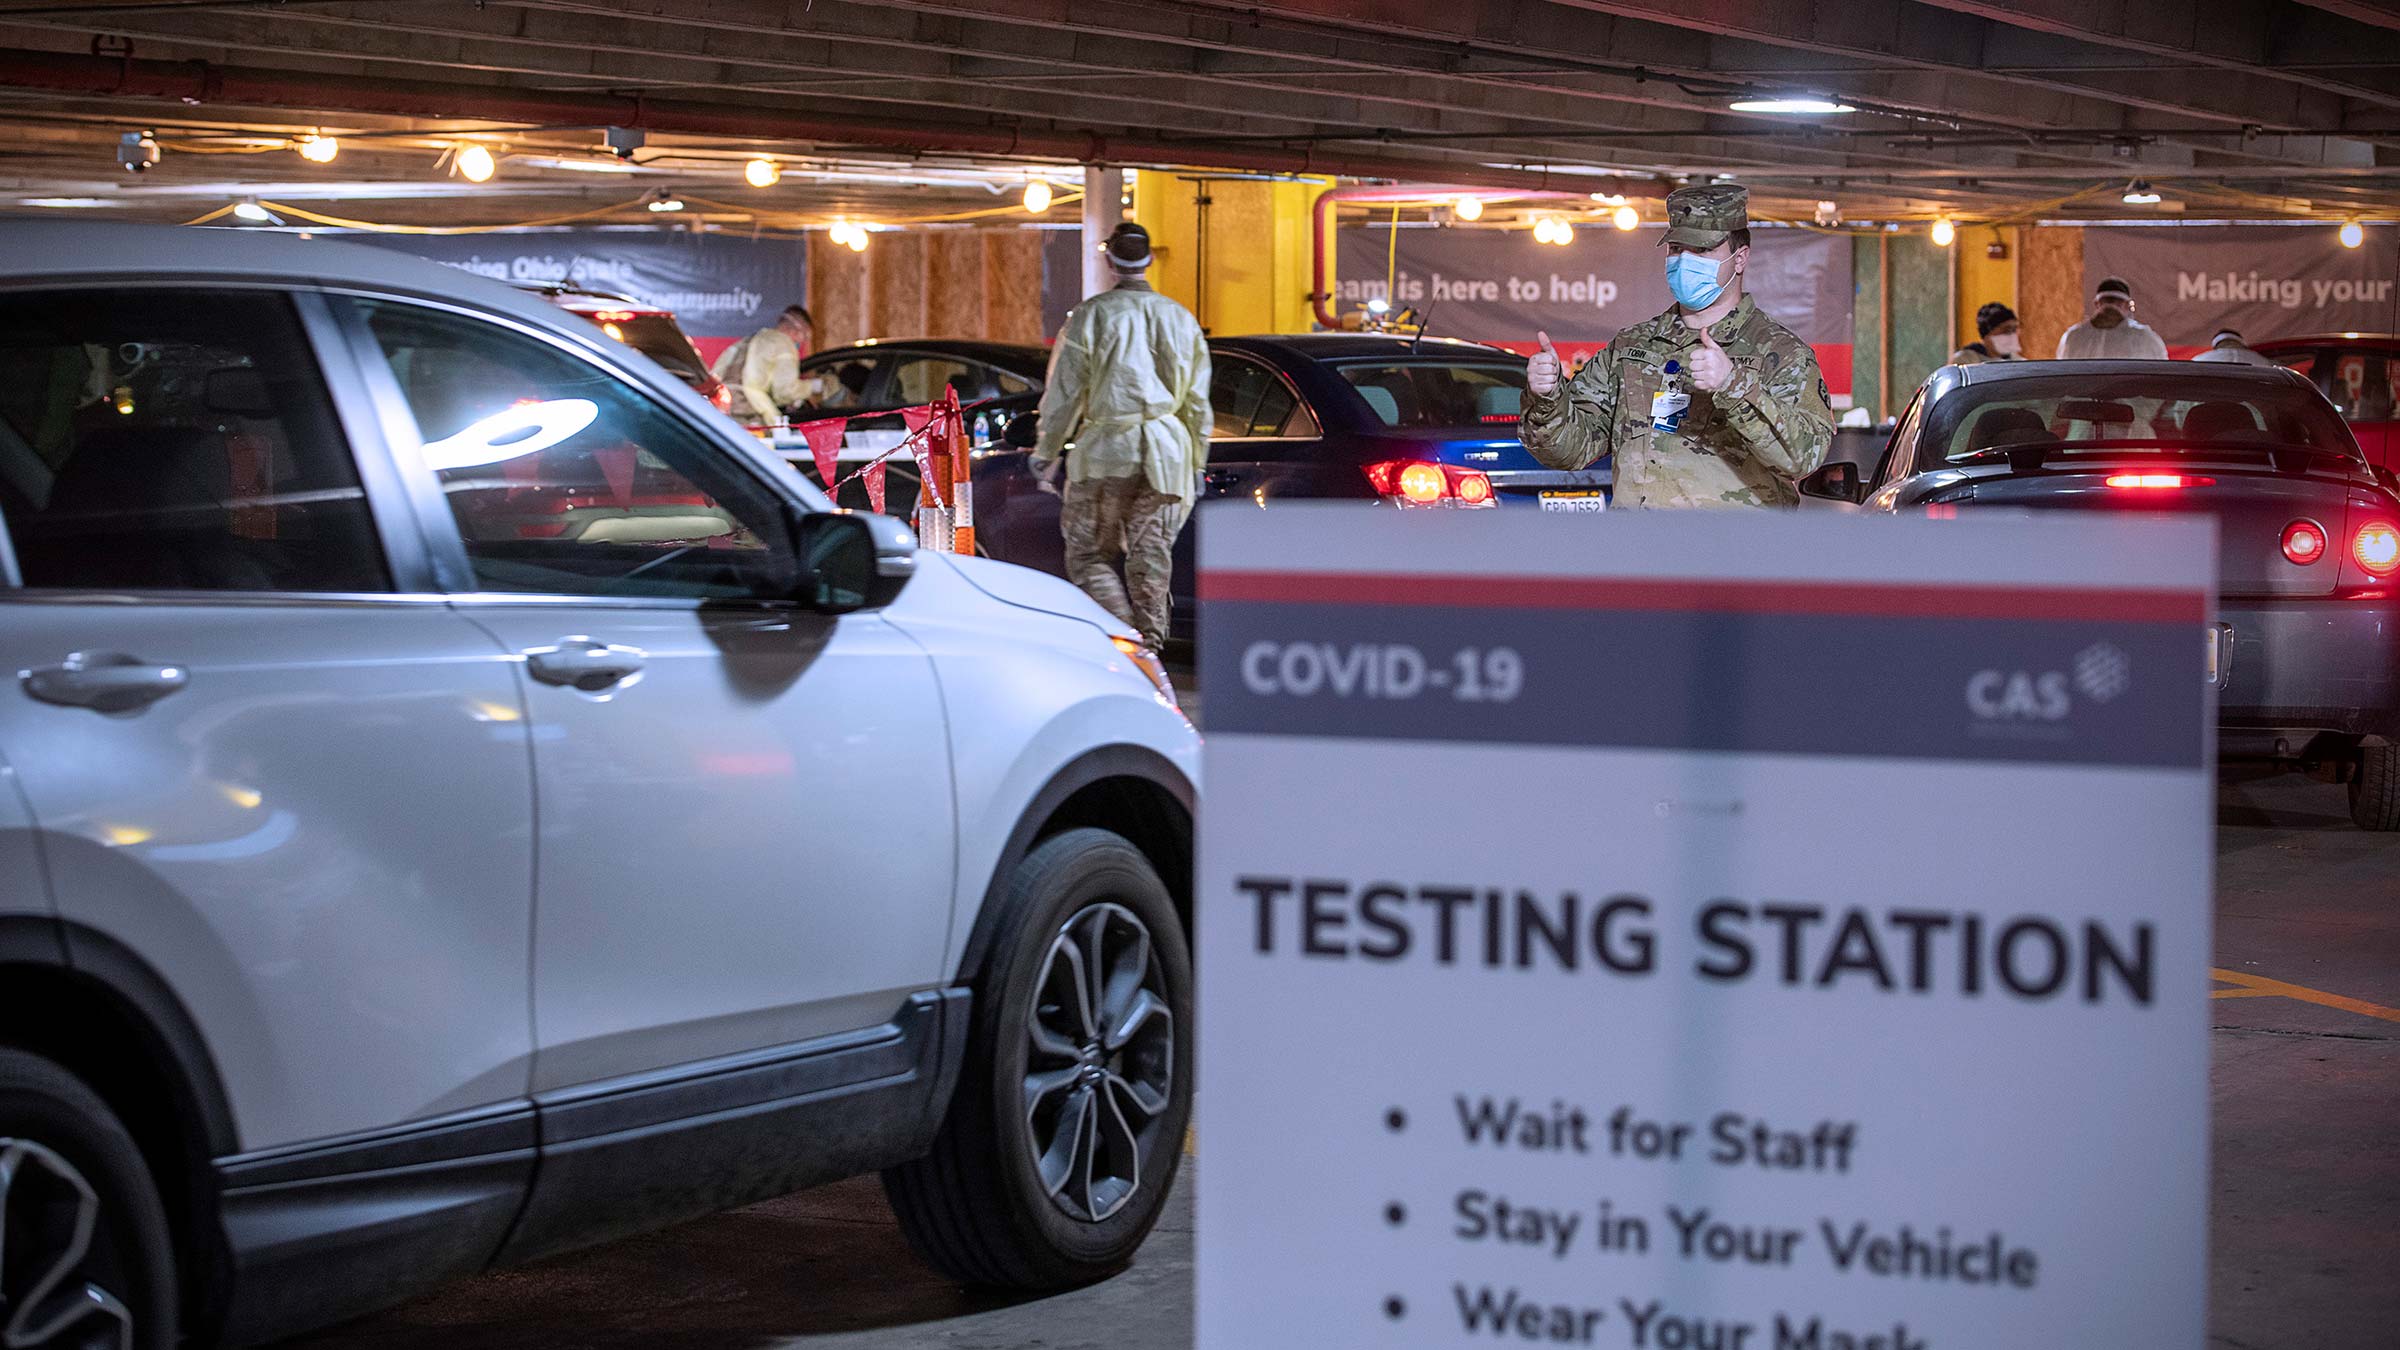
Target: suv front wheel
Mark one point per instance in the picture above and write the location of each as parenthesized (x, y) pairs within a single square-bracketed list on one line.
[(84, 1257), (1068, 1125)]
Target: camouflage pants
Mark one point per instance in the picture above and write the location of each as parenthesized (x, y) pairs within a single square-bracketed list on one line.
[(1110, 522)]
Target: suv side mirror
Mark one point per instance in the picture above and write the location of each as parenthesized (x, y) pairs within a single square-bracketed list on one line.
[(851, 561), (1839, 481), (1024, 431)]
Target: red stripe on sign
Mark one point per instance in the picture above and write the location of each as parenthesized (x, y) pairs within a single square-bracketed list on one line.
[(1864, 599)]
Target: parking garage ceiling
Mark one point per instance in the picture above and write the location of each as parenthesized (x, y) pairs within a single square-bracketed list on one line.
[(1979, 110)]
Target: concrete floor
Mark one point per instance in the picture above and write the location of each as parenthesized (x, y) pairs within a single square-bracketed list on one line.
[(2305, 1224)]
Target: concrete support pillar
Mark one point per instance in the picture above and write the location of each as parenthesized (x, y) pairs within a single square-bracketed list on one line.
[(1103, 207)]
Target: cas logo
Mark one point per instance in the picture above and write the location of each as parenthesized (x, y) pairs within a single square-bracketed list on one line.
[(2102, 674)]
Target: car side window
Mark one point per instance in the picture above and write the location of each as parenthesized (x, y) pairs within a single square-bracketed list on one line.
[(1249, 400), (175, 440), (566, 480), (923, 379), (848, 379), (1900, 454)]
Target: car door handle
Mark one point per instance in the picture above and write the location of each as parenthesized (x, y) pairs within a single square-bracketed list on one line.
[(109, 682), (581, 663)]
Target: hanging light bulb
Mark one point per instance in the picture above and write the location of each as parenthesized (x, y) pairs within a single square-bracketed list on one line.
[(2352, 234), (858, 239), (475, 163), (1545, 230), (248, 209), (318, 149), (1944, 233), (1563, 235), (761, 173), (1037, 196), (1468, 208), (2140, 193), (1627, 218), (666, 201)]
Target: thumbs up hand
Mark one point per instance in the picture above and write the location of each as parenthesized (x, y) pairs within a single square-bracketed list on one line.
[(1712, 369), (1543, 368)]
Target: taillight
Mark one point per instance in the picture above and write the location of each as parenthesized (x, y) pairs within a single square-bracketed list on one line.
[(1423, 484), (2303, 542), (1417, 482), (2377, 548), (2157, 481)]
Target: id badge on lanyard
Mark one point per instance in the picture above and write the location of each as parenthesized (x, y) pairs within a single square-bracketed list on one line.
[(1669, 404)]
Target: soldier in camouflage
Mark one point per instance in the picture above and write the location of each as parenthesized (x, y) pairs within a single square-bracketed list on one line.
[(1711, 404)]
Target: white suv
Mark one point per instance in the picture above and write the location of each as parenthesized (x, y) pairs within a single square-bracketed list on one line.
[(465, 801)]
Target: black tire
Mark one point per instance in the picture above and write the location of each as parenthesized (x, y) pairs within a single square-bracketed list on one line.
[(976, 1208), (67, 1145), (2375, 788)]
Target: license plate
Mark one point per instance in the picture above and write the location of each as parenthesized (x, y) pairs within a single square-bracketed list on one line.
[(1574, 501)]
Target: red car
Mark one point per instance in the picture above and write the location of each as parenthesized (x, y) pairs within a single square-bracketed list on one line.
[(647, 329), (2360, 372)]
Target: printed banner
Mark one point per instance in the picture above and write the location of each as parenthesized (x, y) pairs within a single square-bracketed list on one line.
[(2266, 281), (1575, 1009), (721, 286), (1501, 286)]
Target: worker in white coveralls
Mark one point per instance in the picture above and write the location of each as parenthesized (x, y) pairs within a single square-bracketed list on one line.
[(1127, 407), (762, 371)]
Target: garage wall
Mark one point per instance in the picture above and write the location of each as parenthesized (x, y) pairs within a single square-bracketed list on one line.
[(2050, 284), (1917, 327), (930, 283), (1983, 278)]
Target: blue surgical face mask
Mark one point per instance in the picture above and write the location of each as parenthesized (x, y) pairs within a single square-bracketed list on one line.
[(1693, 279)]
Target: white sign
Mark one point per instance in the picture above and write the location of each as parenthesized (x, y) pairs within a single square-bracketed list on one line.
[(1706, 932)]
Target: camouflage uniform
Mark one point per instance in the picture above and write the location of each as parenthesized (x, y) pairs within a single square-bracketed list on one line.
[(1108, 521), (1744, 445)]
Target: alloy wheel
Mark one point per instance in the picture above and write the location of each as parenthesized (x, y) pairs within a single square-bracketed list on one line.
[(52, 1294), (1102, 1065)]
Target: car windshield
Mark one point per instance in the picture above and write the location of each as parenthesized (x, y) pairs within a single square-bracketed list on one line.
[(657, 337), (2128, 414), (1440, 395)]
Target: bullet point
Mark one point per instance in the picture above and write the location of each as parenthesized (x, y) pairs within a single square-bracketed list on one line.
[(1395, 1120), (1394, 1309), (1395, 1214)]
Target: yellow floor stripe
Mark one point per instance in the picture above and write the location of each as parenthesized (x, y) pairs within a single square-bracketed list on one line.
[(2259, 986)]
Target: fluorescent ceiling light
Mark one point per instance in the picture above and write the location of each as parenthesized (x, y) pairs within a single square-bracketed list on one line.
[(1789, 105), (65, 203)]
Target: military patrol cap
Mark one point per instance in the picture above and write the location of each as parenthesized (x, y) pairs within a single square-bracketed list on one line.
[(1703, 215)]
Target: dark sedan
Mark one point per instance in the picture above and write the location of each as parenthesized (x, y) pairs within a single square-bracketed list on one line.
[(870, 381), (1428, 424), (2305, 654)]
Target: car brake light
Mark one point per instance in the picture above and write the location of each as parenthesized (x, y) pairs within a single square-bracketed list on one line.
[(1474, 489), (2303, 542), (612, 315), (2377, 548), (1489, 418), (1411, 480), (2157, 481)]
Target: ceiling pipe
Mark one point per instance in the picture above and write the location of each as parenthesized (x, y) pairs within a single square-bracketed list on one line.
[(206, 84)]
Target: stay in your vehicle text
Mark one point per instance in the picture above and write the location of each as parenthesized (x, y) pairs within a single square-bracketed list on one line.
[(1793, 942)]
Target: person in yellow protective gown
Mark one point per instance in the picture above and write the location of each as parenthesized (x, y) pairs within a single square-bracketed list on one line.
[(1126, 407)]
